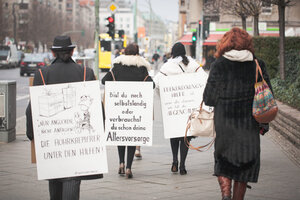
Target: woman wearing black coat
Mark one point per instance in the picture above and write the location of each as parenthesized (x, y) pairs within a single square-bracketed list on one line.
[(62, 70), (128, 67), (230, 89)]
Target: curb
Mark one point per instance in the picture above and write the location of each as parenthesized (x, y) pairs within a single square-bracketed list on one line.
[(287, 131)]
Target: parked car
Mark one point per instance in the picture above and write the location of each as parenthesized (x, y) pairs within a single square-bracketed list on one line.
[(8, 56), (31, 63)]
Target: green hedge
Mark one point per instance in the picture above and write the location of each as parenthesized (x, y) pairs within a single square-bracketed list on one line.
[(267, 49)]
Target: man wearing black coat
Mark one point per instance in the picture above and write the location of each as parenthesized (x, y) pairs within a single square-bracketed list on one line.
[(62, 70)]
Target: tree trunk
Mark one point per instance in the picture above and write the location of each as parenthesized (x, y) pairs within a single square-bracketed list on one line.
[(244, 23), (281, 11), (255, 25)]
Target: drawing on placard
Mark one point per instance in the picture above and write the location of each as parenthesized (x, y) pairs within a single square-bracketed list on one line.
[(83, 117), (52, 103)]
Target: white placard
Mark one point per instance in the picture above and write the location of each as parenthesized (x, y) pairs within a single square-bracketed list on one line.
[(180, 96), (68, 130), (128, 113)]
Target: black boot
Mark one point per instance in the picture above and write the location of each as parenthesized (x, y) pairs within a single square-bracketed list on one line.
[(182, 169), (174, 167)]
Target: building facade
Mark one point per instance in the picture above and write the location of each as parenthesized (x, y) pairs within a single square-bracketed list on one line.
[(30, 22), (215, 23)]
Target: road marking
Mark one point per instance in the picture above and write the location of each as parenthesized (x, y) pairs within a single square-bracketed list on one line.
[(22, 97)]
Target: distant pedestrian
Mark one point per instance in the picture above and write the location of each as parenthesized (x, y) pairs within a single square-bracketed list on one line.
[(155, 57), (117, 53), (62, 70), (128, 67), (138, 153), (209, 60), (166, 57), (179, 63), (230, 89)]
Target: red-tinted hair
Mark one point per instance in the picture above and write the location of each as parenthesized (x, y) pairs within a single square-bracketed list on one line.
[(236, 39)]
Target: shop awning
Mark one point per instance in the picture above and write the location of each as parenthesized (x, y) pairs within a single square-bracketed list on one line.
[(186, 39), (212, 39)]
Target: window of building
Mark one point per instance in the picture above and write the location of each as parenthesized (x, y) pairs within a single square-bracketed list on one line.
[(182, 2), (128, 25), (266, 8), (69, 5)]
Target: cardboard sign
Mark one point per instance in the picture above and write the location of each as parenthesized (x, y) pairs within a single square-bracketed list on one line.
[(180, 96), (68, 130), (129, 113)]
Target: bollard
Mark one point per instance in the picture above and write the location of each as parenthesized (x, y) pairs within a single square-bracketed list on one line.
[(7, 110)]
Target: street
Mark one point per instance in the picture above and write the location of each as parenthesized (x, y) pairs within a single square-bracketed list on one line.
[(152, 178)]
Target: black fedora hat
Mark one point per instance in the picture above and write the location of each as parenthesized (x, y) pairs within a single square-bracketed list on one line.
[(61, 43)]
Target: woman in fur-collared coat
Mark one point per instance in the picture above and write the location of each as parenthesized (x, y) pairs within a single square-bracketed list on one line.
[(230, 89), (128, 67)]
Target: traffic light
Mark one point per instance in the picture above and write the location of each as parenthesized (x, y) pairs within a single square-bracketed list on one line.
[(111, 27), (194, 38), (199, 28), (205, 29), (121, 33)]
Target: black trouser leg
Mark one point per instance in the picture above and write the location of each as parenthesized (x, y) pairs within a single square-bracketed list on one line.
[(121, 151), (174, 146), (71, 189), (183, 152), (130, 155), (55, 189)]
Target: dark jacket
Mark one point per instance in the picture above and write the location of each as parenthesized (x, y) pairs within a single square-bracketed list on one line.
[(129, 68), (230, 89), (59, 72)]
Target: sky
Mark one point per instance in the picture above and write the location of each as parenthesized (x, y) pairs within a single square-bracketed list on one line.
[(166, 9)]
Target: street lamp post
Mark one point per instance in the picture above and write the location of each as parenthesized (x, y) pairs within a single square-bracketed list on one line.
[(15, 19), (150, 27), (97, 30), (15, 22)]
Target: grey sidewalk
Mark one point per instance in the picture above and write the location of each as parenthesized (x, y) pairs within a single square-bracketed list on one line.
[(279, 177)]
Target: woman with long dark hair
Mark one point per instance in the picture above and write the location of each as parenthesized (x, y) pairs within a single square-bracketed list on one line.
[(178, 63), (230, 89)]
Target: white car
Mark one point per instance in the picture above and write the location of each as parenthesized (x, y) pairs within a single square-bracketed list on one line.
[(8, 56)]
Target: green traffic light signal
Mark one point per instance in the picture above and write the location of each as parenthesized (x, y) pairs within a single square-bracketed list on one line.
[(194, 38)]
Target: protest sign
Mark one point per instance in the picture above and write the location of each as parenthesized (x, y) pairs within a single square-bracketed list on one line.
[(180, 96), (129, 113), (68, 130)]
